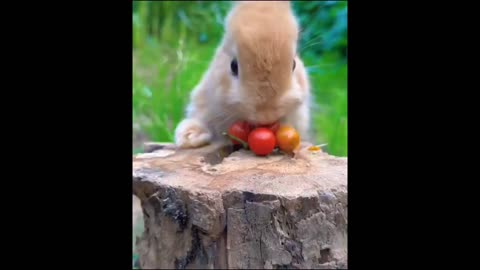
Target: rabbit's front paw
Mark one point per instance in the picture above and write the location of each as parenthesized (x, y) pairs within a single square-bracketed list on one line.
[(191, 133)]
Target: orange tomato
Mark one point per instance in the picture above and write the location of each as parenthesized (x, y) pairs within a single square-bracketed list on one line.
[(288, 139)]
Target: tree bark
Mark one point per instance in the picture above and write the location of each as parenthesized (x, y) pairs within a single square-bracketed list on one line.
[(215, 208)]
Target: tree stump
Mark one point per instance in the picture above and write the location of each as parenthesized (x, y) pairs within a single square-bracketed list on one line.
[(214, 207)]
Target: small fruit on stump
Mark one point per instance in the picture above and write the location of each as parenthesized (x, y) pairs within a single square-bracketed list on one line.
[(261, 141), (273, 127), (239, 130), (288, 139)]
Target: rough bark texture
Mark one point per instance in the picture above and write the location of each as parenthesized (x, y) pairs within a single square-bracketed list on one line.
[(204, 210)]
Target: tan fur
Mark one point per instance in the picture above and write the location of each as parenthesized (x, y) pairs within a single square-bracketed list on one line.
[(262, 36)]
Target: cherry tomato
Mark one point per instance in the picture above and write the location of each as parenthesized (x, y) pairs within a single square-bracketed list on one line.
[(261, 141), (240, 130), (288, 139), (273, 127)]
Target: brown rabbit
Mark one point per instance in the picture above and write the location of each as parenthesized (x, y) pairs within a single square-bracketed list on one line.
[(255, 76)]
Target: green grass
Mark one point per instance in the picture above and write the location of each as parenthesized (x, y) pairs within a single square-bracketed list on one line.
[(328, 77), (161, 88)]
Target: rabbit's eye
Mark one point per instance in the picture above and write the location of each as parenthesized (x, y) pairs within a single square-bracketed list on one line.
[(234, 67), (293, 65)]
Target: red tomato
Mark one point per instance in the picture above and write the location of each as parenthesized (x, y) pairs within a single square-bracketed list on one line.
[(261, 141), (240, 130), (273, 127)]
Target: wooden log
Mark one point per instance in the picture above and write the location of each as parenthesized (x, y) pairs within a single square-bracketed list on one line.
[(214, 207)]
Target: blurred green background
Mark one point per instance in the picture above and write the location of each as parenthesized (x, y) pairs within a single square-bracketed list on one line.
[(174, 41)]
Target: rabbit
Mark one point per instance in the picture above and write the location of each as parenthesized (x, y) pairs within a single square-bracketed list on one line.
[(255, 76)]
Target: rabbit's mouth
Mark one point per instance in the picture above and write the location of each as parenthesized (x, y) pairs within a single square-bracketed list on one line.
[(261, 115), (262, 121)]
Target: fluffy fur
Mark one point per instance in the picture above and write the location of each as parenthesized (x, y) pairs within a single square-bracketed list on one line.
[(263, 37)]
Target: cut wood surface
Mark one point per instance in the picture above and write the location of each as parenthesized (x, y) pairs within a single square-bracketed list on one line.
[(213, 208)]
